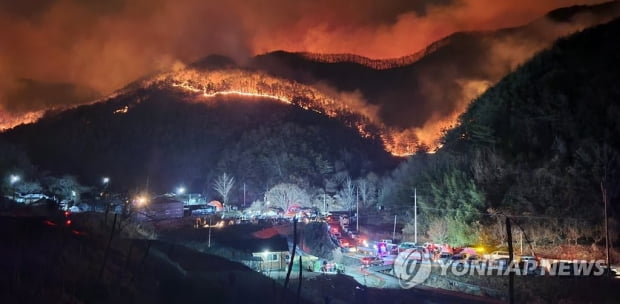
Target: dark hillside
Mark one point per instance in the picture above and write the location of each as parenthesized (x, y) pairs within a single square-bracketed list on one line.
[(559, 113), (154, 136), (542, 145)]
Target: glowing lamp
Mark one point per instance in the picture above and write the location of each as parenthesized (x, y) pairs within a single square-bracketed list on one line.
[(141, 201)]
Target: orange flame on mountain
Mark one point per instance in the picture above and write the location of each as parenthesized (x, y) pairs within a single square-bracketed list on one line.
[(204, 85), (8, 120), (243, 83)]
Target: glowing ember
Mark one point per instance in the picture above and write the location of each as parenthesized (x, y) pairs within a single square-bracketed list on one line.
[(122, 110)]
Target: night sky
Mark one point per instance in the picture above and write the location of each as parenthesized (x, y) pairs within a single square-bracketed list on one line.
[(65, 52)]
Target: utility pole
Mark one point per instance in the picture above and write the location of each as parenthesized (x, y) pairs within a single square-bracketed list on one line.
[(14, 180), (357, 211), (244, 195), (147, 185), (209, 244), (604, 192), (415, 215), (290, 265), (324, 204), (511, 275), (394, 233)]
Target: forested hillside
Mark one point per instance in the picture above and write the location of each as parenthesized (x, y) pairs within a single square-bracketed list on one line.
[(542, 146), (155, 138)]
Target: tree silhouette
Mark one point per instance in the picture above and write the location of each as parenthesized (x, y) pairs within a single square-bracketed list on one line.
[(222, 185), (284, 195)]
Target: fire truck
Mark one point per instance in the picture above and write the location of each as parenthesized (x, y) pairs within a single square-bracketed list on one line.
[(377, 248)]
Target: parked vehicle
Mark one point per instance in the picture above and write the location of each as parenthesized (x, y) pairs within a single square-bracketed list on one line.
[(202, 211), (426, 254), (383, 248), (460, 259), (371, 261), (344, 243), (345, 227), (496, 255), (445, 257), (432, 247), (326, 267), (405, 245), (474, 259), (527, 258), (198, 210), (393, 249)]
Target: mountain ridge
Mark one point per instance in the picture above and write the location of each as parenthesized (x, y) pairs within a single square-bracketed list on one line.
[(541, 147), (137, 136)]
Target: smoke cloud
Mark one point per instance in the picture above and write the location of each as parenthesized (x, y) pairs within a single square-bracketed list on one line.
[(62, 52)]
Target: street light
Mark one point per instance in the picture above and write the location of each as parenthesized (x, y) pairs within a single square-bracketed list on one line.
[(181, 190), (14, 180), (141, 201), (106, 180)]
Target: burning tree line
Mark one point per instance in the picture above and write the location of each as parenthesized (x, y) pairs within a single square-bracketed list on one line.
[(352, 111)]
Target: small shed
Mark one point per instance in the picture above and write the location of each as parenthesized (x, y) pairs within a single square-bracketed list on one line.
[(273, 252)]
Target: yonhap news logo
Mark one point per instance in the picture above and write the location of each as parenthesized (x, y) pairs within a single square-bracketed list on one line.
[(412, 267), (415, 267)]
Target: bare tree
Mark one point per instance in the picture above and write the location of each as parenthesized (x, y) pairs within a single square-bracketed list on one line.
[(223, 184), (572, 232), (364, 190), (347, 193), (438, 230), (602, 160), (66, 187), (284, 195), (28, 187)]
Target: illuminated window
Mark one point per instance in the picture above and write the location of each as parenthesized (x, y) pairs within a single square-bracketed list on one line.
[(271, 257)]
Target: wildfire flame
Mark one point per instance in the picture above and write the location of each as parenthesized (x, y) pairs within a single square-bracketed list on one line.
[(205, 85), (122, 110), (8, 120), (237, 82), (252, 84), (377, 64)]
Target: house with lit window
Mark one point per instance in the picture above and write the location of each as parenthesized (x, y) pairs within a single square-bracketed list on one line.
[(270, 254)]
